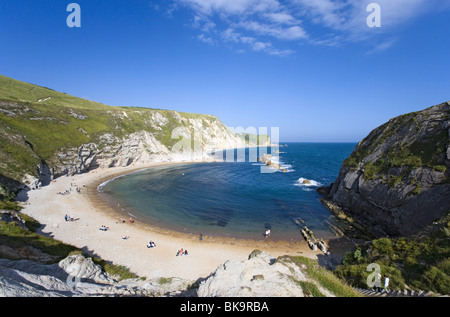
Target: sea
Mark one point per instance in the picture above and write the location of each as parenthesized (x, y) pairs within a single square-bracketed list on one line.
[(238, 196)]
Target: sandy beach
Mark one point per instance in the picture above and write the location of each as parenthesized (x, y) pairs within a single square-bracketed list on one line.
[(90, 213)]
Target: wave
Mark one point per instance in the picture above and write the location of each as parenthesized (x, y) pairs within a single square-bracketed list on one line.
[(100, 187), (284, 168), (307, 184), (287, 168)]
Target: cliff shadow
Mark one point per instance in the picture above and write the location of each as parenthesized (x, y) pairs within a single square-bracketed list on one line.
[(11, 188), (337, 249)]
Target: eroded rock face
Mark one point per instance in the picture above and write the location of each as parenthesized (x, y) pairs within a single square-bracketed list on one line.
[(77, 276), (190, 139), (397, 180), (259, 276)]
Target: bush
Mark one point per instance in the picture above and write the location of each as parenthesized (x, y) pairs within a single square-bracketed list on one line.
[(436, 280), (7, 204), (383, 246), (353, 257), (355, 275), (421, 262)]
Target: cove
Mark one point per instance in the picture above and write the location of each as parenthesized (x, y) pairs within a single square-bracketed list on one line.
[(234, 199)]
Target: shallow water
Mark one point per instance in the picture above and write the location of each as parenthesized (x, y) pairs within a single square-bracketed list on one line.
[(235, 199)]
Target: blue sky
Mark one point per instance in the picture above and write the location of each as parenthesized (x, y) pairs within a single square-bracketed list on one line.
[(313, 68)]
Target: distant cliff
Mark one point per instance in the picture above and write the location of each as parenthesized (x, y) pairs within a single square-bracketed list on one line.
[(397, 180), (45, 134)]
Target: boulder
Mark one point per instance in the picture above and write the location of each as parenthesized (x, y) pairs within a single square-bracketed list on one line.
[(261, 275)]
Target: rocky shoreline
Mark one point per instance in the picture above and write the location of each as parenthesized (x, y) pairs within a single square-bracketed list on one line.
[(397, 180)]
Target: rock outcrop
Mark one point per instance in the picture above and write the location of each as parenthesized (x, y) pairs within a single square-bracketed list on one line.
[(261, 275), (271, 162), (397, 180), (77, 276)]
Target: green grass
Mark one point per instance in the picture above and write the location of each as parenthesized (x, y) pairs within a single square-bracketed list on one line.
[(7, 204), (119, 271), (310, 289), (421, 262), (325, 278), (15, 237), (34, 128), (11, 89), (424, 152)]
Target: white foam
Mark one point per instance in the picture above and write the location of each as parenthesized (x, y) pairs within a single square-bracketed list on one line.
[(306, 184)]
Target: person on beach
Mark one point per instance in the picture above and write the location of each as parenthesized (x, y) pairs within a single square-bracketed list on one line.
[(200, 237), (151, 244)]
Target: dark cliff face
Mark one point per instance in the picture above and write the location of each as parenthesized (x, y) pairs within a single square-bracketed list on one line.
[(397, 180)]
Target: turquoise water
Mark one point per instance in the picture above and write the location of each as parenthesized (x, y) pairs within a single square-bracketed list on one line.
[(235, 199)]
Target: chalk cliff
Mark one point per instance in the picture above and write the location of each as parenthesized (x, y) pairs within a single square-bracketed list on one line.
[(45, 134)]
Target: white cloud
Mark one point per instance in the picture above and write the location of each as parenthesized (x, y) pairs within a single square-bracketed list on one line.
[(281, 18), (266, 25), (381, 46), (204, 38), (231, 36), (289, 33), (326, 12), (231, 7)]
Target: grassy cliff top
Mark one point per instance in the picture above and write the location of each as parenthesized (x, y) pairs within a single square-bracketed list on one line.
[(15, 90), (37, 122), (410, 141), (30, 94)]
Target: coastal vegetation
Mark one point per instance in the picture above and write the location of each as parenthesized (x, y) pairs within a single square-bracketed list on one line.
[(15, 238), (416, 149), (332, 282), (18, 242), (395, 184), (47, 134), (396, 181), (420, 262)]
